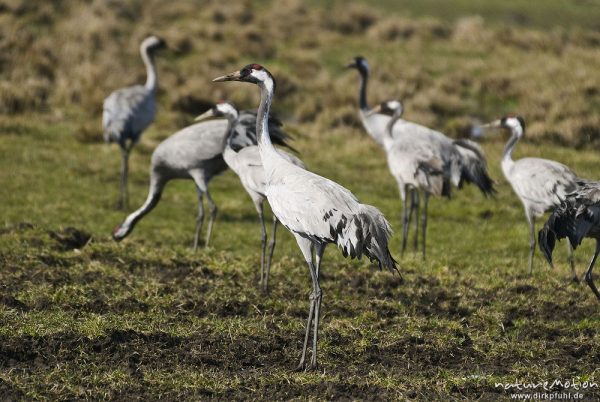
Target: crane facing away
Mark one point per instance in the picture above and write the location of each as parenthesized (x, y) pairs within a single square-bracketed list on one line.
[(577, 217), (463, 160), (246, 163), (195, 152), (127, 112), (415, 168), (316, 210), (540, 184)]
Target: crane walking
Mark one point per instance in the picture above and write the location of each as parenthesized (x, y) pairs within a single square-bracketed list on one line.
[(246, 163), (414, 166), (317, 211), (195, 152), (540, 184), (463, 161), (577, 217), (127, 112)]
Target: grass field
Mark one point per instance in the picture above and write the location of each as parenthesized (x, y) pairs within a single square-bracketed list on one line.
[(148, 318)]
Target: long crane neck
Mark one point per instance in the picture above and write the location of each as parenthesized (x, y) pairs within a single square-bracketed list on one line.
[(231, 123), (267, 88), (388, 138), (517, 132), (362, 92), (151, 75)]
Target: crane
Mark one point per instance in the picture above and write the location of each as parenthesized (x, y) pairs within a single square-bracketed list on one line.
[(194, 152), (577, 217), (414, 166), (246, 163), (463, 161), (316, 210), (540, 184), (127, 112)]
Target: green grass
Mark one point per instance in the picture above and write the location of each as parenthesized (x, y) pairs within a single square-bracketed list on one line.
[(148, 318)]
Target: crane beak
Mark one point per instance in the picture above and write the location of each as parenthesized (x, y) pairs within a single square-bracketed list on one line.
[(494, 124), (206, 115), (375, 110), (351, 65), (235, 76)]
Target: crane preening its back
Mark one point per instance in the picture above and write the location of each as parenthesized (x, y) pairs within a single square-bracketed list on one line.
[(540, 184), (195, 152), (316, 210), (246, 163), (462, 161), (576, 218), (127, 112)]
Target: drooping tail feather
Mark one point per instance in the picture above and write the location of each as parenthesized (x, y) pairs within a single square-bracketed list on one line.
[(474, 166), (367, 232)]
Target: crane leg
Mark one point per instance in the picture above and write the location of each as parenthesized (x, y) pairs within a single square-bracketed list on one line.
[(571, 260), (199, 218), (531, 222), (416, 205), (318, 295), (404, 194), (213, 214), (124, 192), (588, 275), (263, 243), (306, 247), (425, 215), (271, 250)]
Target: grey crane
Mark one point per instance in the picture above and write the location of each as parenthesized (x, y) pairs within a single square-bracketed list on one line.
[(317, 211), (246, 163), (127, 112), (195, 152), (577, 217), (540, 184), (414, 166), (463, 161)]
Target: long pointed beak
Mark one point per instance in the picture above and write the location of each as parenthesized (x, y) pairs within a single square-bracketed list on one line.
[(235, 76), (375, 110), (206, 115), (494, 124), (351, 65)]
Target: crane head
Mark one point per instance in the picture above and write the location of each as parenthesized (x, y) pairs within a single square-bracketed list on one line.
[(153, 43), (516, 124), (359, 63), (253, 73), (389, 108), (220, 109)]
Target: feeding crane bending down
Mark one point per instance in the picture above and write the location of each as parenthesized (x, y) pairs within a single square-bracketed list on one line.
[(576, 218), (127, 112), (463, 160), (246, 163), (540, 184), (195, 152), (316, 210), (414, 166)]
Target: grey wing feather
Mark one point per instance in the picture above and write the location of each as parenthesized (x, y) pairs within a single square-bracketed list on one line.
[(127, 112)]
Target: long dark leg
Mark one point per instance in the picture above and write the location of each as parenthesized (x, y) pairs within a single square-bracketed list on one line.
[(263, 243), (306, 247), (271, 250), (588, 275), (199, 218), (425, 214), (415, 206), (571, 260), (317, 295), (404, 194), (124, 192), (531, 222), (213, 214)]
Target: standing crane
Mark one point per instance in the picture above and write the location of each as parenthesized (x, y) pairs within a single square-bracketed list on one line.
[(316, 210), (577, 217), (414, 166), (462, 160), (540, 184), (246, 163), (127, 112), (195, 152)]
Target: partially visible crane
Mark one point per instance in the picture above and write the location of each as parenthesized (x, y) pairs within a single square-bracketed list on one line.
[(540, 184), (316, 210), (246, 163), (127, 112), (576, 218), (195, 152)]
